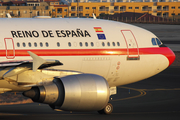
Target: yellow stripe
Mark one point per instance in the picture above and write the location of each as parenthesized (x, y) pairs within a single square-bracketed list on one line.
[(98, 30)]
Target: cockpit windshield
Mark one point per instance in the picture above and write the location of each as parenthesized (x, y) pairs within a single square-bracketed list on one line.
[(156, 41)]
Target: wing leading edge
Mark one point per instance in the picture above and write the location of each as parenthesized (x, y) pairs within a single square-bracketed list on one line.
[(8, 69)]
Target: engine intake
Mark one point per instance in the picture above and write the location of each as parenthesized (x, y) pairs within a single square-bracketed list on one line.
[(82, 92)]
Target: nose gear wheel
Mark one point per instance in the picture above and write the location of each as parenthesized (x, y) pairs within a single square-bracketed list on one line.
[(107, 110)]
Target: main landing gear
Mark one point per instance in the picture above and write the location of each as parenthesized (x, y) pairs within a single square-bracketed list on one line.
[(107, 110)]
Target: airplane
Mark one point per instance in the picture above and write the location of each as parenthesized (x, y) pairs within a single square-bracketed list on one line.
[(75, 64)]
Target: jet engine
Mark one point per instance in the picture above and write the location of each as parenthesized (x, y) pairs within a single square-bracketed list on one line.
[(82, 92)]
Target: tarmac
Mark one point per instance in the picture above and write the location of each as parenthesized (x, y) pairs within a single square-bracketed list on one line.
[(155, 98), (168, 34)]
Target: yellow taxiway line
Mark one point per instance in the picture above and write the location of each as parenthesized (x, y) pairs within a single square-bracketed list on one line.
[(142, 92)]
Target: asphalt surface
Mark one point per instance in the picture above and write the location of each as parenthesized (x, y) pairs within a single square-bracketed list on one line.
[(168, 34), (156, 98)]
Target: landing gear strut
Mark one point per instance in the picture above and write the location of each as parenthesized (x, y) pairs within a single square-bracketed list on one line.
[(107, 110)]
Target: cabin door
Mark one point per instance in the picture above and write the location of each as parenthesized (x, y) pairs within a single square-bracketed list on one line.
[(9, 46), (131, 43)]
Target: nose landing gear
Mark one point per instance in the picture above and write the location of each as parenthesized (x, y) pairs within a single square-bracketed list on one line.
[(107, 110)]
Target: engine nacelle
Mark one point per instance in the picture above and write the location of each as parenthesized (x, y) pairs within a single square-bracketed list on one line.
[(82, 92)]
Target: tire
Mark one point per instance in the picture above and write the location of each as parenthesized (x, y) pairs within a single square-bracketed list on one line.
[(52, 106), (107, 110)]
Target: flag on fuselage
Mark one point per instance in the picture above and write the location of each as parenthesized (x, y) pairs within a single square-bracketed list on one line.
[(100, 33)]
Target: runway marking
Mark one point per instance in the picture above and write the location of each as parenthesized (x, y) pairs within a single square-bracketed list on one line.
[(142, 93), (149, 112), (161, 89), (9, 114)]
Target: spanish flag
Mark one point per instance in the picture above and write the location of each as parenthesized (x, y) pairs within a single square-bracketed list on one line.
[(100, 34), (98, 29)]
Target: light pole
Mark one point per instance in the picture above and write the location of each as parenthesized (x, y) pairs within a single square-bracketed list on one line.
[(134, 15), (18, 13), (30, 13), (173, 15), (77, 8)]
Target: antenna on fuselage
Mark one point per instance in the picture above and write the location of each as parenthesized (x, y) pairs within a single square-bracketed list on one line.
[(94, 17), (8, 15)]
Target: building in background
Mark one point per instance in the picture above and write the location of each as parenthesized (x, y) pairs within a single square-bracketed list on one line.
[(58, 9), (161, 9), (68, 8), (87, 9), (22, 9), (28, 9)]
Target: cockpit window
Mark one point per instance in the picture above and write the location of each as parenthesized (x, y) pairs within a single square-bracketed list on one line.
[(153, 41), (158, 41)]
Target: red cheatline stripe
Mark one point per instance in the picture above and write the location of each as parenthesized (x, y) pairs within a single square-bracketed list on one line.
[(80, 52), (69, 52), (93, 52), (162, 50)]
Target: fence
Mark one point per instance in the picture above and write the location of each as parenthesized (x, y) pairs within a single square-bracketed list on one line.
[(144, 19)]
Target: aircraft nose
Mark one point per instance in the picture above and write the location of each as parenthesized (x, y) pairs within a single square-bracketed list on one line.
[(171, 56)]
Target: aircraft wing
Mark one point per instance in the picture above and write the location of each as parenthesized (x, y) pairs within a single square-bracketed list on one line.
[(11, 68)]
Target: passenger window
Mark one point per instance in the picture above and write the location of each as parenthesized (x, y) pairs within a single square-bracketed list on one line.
[(86, 44), (29, 44), (58, 44), (118, 44), (158, 41), (18, 44), (69, 44), (24, 45), (81, 44), (113, 43), (103, 44), (41, 44), (108, 43), (47, 45), (153, 41), (35, 44), (92, 44)]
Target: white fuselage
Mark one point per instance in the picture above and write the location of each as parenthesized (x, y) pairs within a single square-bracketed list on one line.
[(119, 52)]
